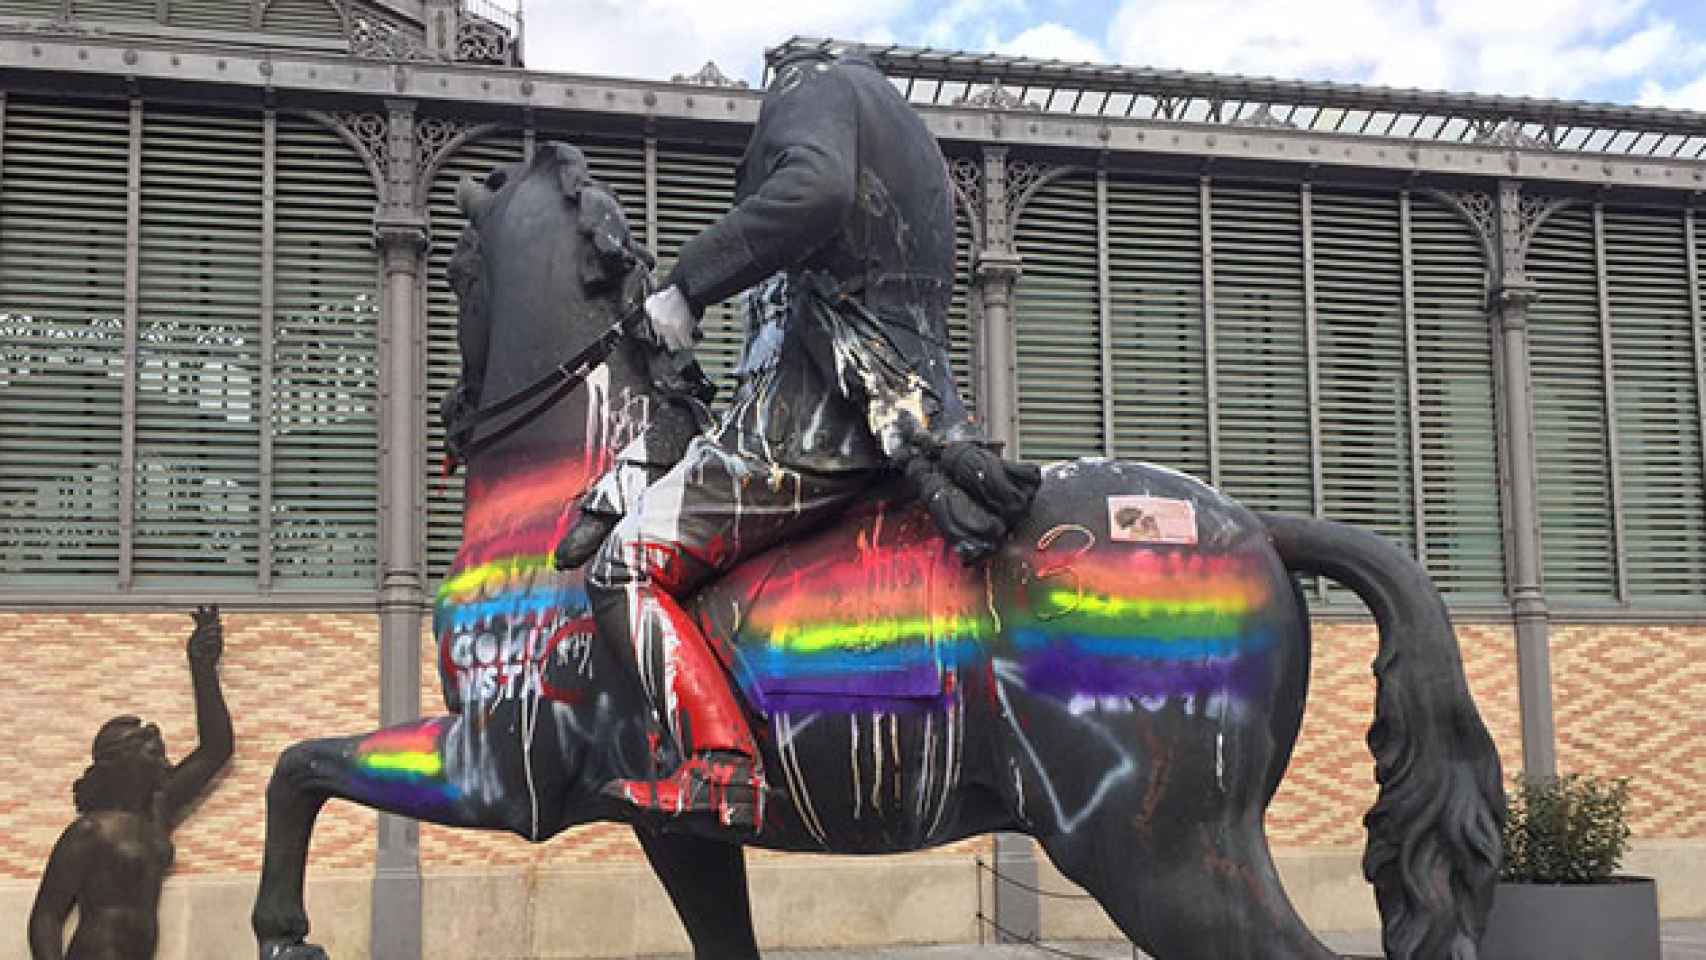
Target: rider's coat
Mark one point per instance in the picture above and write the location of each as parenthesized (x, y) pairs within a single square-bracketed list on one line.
[(844, 198), (844, 190)]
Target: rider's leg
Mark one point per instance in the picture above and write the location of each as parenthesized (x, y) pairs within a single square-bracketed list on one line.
[(713, 509), (643, 460)]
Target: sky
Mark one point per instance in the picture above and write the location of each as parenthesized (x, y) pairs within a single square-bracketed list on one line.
[(1646, 52)]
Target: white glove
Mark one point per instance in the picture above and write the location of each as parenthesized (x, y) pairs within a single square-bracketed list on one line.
[(671, 317)]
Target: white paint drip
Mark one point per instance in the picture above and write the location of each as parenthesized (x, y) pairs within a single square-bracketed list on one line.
[(950, 768), (858, 795), (1220, 759), (877, 763), (926, 765), (797, 780), (894, 751), (1006, 671)]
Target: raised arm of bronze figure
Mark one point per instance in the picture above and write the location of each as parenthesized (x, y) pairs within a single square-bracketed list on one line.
[(212, 719)]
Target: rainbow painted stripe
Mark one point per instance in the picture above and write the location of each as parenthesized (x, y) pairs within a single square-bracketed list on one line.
[(405, 767), (1149, 624), (885, 626)]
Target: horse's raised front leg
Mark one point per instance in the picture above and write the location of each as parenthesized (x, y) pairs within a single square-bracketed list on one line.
[(414, 770), (706, 880)]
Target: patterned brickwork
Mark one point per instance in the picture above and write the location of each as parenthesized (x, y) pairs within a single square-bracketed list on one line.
[(1631, 702), (286, 677), (1330, 784)]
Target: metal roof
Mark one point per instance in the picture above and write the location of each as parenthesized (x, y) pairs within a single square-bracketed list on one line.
[(1025, 84)]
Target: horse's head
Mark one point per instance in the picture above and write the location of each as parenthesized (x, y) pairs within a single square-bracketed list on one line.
[(544, 266)]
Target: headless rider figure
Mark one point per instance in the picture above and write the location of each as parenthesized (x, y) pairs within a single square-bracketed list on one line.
[(843, 202)]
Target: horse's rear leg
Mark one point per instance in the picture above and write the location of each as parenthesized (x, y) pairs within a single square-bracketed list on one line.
[(1210, 892), (706, 879), (402, 770)]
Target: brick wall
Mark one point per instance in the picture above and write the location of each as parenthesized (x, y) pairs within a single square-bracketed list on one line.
[(1330, 784), (1631, 701), (286, 677)]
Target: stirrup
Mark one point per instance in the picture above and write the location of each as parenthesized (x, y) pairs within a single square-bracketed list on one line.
[(725, 783)]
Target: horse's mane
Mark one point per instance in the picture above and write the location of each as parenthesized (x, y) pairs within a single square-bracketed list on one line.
[(608, 256), (608, 252)]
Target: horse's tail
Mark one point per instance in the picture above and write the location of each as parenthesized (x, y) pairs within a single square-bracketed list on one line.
[(1434, 833)]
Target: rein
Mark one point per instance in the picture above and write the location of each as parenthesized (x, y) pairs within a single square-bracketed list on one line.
[(561, 379)]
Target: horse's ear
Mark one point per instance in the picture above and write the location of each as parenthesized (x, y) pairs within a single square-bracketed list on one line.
[(472, 197)]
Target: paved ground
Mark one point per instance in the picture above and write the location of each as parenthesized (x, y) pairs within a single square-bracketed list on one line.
[(1683, 940)]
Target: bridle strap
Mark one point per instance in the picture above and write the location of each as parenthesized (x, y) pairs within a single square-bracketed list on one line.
[(560, 380)]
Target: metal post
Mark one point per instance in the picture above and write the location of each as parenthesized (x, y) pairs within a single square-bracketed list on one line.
[(400, 232), (651, 224), (998, 267), (1688, 230), (1418, 487), (269, 254), (132, 338), (1312, 362), (1104, 308), (1211, 377), (1509, 302), (1608, 384)]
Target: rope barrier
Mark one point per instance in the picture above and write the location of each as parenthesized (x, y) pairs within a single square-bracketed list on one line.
[(1022, 885), (1038, 945), (1034, 943)]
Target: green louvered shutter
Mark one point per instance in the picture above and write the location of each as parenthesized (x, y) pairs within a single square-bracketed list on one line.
[(1056, 327), (62, 254), (1156, 308), (45, 9), (198, 417), (324, 417), (112, 10), (1454, 385), (227, 15), (696, 186), (1366, 468), (302, 18), (444, 360), (1569, 410), (1658, 413), (962, 327), (1260, 346)]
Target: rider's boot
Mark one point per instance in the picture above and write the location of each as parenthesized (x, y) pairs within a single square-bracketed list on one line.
[(722, 774), (602, 508), (583, 539)]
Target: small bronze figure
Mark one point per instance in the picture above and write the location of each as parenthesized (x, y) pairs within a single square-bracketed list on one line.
[(112, 861)]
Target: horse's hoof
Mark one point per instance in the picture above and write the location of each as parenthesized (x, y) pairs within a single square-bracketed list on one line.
[(279, 950)]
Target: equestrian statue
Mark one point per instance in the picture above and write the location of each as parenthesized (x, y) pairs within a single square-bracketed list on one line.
[(832, 619)]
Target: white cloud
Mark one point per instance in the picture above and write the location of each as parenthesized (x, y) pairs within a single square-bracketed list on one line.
[(1558, 48), (655, 39), (1689, 95), (1052, 41)]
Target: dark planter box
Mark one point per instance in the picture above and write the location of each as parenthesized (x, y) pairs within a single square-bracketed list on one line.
[(1575, 921)]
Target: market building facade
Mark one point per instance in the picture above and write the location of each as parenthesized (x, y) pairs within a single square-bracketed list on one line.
[(1472, 323)]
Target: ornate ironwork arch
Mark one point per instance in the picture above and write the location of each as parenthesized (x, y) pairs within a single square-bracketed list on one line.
[(1025, 178), (366, 134), (438, 139)]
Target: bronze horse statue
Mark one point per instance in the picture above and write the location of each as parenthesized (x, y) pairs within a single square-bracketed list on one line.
[(1123, 681)]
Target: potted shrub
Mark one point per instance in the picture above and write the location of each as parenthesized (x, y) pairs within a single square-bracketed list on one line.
[(1558, 897)]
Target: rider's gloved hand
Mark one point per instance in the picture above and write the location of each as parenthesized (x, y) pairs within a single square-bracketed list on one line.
[(672, 318)]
